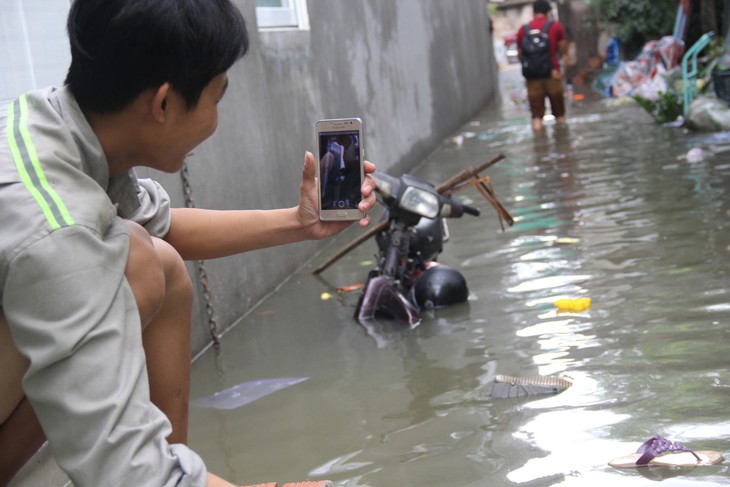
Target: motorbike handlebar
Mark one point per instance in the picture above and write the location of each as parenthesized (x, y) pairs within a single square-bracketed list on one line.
[(470, 210), (455, 209)]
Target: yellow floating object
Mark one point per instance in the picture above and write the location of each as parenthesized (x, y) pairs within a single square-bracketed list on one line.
[(325, 296), (567, 240), (573, 304)]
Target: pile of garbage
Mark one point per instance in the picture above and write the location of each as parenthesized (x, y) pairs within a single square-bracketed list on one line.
[(654, 80), (651, 72)]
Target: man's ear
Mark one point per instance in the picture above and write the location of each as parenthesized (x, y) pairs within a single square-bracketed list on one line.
[(159, 102)]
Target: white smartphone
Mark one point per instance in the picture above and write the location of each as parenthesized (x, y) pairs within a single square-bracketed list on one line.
[(340, 174)]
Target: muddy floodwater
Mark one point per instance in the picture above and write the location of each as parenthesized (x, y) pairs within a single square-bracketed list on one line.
[(612, 207)]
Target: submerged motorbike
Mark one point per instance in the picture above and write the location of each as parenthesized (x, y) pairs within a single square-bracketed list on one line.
[(407, 279)]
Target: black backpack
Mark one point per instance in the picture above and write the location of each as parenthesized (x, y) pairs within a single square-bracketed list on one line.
[(536, 62)]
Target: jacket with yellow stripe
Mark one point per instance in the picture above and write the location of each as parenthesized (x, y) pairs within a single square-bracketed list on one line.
[(71, 312)]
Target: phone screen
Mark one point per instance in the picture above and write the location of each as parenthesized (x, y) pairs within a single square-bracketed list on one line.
[(339, 170)]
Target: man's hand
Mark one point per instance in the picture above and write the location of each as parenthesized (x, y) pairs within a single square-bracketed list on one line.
[(308, 212)]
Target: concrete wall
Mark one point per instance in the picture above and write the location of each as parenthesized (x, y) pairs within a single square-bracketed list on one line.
[(413, 70)]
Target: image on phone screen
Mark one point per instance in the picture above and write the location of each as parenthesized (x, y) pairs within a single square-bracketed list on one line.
[(339, 170)]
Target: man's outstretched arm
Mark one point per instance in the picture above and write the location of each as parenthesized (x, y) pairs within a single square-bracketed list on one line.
[(206, 234)]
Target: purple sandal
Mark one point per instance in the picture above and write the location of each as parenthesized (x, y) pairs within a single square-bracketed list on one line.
[(661, 452), (656, 445)]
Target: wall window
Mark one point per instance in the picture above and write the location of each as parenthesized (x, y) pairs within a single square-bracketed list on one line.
[(282, 14)]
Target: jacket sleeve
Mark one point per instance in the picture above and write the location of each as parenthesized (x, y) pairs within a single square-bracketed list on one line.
[(154, 208), (73, 315), (142, 201)]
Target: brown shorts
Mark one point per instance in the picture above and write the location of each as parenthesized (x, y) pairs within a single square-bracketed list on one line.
[(538, 89)]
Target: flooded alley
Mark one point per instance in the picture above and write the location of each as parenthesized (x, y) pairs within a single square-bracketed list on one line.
[(612, 207)]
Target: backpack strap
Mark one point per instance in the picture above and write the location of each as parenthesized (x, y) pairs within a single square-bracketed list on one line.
[(546, 27)]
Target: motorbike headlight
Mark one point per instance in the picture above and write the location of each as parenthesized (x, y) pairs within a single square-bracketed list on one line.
[(420, 202)]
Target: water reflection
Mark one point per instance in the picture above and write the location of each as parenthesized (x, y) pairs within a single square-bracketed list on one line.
[(610, 208)]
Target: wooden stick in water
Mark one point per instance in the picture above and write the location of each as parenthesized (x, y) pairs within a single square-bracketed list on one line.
[(377, 228), (468, 173)]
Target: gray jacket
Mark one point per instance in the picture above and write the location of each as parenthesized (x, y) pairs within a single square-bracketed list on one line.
[(71, 312)]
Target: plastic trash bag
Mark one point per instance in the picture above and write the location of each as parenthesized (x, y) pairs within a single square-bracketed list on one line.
[(708, 114)]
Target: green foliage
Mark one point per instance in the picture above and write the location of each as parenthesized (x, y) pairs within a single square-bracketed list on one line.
[(636, 22), (667, 108)]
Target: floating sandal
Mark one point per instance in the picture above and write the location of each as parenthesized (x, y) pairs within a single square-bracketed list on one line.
[(660, 452), (507, 386)]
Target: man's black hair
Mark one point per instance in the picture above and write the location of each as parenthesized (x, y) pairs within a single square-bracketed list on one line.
[(541, 7), (120, 48)]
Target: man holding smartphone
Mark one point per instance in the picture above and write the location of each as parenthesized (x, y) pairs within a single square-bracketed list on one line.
[(95, 300)]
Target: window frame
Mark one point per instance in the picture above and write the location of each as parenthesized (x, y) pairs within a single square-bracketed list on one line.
[(294, 16)]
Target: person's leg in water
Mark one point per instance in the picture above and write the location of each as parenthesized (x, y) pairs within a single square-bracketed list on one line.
[(164, 293), (536, 92), (556, 95)]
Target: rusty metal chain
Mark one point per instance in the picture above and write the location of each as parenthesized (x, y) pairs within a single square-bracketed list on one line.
[(202, 271)]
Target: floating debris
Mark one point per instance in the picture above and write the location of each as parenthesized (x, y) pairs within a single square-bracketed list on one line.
[(507, 386), (573, 304), (695, 154), (348, 289), (244, 393), (325, 296)]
